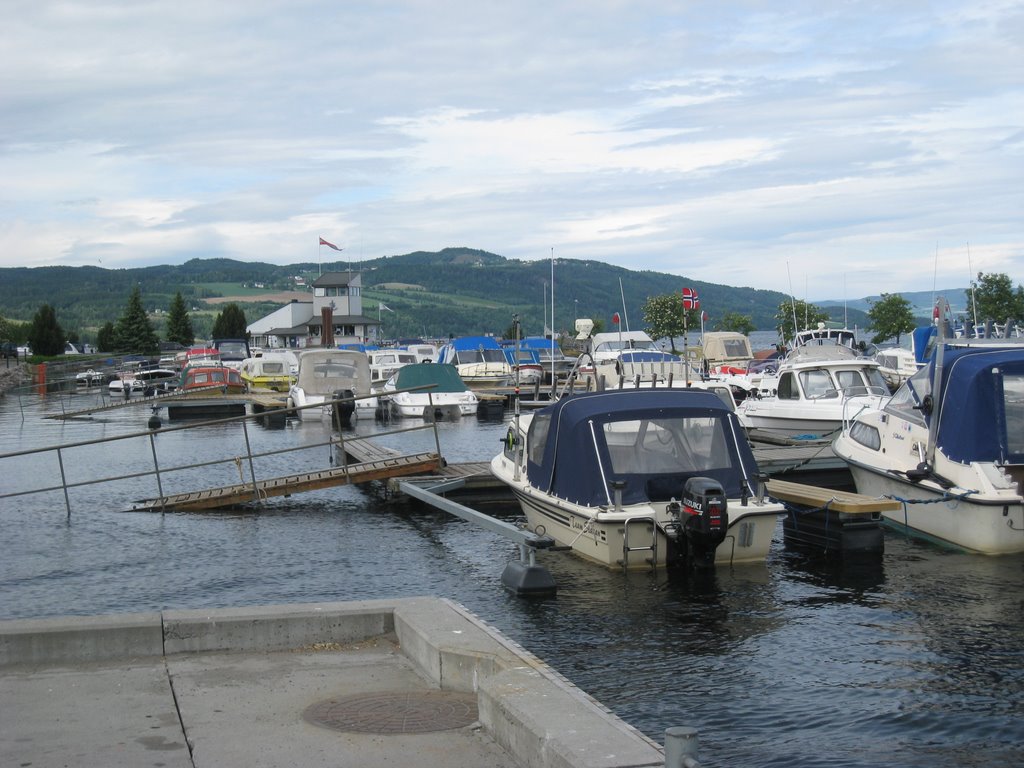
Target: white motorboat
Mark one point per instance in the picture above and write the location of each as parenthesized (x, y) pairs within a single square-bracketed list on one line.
[(384, 363), (329, 374), (896, 365), (479, 360), (815, 389), (950, 446), (640, 476), (438, 392)]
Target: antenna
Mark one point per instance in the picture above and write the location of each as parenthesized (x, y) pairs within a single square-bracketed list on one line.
[(625, 317), (792, 300)]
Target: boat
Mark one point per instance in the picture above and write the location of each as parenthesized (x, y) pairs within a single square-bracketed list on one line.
[(526, 365), (896, 365), (267, 372), (232, 352), (553, 360), (479, 361), (213, 377), (628, 359), (950, 446), (814, 390), (328, 374), (638, 478), (447, 396), (148, 381), (384, 363), (425, 353), (89, 378)]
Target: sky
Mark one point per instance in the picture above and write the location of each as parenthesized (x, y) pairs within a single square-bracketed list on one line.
[(830, 150)]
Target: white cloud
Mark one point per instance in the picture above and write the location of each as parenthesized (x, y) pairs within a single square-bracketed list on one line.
[(720, 141)]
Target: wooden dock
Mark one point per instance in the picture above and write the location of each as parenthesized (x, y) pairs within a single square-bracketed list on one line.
[(838, 501), (247, 493), (262, 402)]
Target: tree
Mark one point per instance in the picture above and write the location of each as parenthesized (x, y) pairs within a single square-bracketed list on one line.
[(734, 321), (230, 323), (179, 324), (807, 316), (106, 338), (663, 316), (46, 336), (993, 298), (133, 332), (890, 316)]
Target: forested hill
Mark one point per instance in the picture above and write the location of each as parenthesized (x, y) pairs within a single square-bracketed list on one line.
[(454, 291)]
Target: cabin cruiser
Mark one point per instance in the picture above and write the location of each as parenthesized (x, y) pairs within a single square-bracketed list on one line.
[(479, 360), (384, 363), (815, 389), (438, 392), (950, 446), (269, 371), (329, 374), (526, 366), (896, 365), (636, 478)]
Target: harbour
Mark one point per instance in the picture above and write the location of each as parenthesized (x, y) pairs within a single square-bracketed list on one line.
[(796, 661)]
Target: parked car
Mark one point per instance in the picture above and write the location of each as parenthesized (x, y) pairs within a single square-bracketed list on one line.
[(8, 349)]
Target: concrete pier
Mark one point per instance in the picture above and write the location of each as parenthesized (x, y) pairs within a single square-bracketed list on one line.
[(416, 681)]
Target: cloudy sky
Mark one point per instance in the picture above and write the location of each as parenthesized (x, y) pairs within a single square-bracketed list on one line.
[(838, 148)]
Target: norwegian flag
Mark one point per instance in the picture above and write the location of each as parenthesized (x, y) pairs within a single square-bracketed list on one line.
[(690, 300)]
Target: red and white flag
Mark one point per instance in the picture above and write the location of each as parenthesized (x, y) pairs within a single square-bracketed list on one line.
[(690, 300), (329, 245)]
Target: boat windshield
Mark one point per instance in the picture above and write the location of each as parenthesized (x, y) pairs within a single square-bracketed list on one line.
[(664, 446), (906, 402), (468, 356), (616, 345)]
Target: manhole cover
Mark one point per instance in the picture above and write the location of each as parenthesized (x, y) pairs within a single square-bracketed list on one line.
[(404, 712)]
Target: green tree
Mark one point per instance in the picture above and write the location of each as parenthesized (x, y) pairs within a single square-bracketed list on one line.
[(230, 323), (46, 336), (106, 338), (734, 321), (179, 324), (891, 316), (133, 332), (807, 316), (663, 316), (992, 297)]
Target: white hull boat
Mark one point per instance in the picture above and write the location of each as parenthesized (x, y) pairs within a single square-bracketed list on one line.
[(636, 478)]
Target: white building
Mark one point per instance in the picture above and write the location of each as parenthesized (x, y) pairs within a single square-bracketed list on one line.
[(336, 295)]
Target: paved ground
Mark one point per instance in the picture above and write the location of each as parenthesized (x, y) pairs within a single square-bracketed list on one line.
[(305, 686)]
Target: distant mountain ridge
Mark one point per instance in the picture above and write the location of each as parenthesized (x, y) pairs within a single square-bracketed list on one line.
[(455, 291)]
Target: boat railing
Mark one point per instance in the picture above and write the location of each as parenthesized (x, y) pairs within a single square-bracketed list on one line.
[(240, 454)]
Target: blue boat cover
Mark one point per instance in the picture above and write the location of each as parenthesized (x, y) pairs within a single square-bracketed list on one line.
[(659, 439), (646, 356), (981, 415)]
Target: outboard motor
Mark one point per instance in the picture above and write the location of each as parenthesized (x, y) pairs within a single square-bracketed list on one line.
[(341, 412), (703, 522)]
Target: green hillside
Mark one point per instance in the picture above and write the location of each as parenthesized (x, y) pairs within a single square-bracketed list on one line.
[(454, 291)]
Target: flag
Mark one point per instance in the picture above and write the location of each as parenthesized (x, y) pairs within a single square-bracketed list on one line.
[(690, 300), (615, 318), (329, 245), (385, 307)]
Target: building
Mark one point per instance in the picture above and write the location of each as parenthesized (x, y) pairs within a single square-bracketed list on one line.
[(337, 301)]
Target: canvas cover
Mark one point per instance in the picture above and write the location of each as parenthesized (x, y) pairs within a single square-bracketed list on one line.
[(442, 376), (580, 444), (981, 417), (321, 372)]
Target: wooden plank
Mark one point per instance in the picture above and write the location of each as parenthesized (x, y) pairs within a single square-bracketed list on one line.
[(839, 501), (243, 493)]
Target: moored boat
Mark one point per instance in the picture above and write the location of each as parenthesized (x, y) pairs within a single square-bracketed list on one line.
[(638, 477), (950, 446), (479, 361), (329, 374), (444, 393)]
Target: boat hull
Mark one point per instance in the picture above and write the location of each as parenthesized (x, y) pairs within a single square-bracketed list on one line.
[(987, 525), (600, 536)]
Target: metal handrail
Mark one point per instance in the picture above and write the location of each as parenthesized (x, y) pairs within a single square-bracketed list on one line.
[(159, 471)]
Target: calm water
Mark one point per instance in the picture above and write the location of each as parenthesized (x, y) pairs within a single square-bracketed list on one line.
[(916, 660)]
